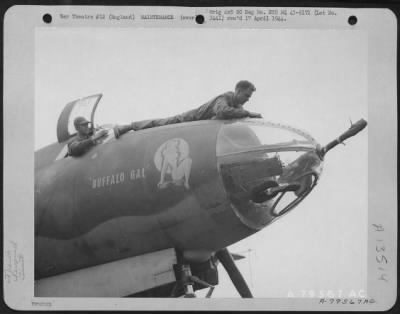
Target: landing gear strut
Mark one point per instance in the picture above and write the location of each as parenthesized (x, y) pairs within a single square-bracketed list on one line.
[(188, 281)]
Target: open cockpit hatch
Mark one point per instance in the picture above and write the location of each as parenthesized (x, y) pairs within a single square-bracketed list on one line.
[(84, 107)]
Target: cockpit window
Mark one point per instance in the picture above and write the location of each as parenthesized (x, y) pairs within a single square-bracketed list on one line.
[(242, 136), (84, 107), (236, 137)]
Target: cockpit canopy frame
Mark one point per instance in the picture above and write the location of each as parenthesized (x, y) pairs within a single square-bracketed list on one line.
[(241, 136), (84, 107)]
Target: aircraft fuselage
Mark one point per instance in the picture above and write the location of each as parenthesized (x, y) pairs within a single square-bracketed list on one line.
[(179, 186)]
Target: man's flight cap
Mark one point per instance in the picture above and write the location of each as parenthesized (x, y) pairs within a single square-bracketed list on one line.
[(80, 121)]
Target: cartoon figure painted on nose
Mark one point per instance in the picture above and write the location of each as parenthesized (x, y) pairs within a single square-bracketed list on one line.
[(173, 161)]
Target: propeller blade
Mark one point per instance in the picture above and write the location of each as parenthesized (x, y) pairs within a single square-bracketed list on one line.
[(238, 281)]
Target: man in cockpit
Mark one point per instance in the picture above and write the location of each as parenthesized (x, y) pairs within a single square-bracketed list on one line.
[(84, 140), (225, 106)]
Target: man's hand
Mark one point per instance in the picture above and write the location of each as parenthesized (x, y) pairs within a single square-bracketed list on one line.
[(255, 115), (99, 135)]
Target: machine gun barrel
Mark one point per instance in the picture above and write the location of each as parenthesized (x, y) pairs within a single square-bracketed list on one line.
[(353, 130)]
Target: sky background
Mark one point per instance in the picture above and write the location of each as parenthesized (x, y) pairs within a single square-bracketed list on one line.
[(315, 80)]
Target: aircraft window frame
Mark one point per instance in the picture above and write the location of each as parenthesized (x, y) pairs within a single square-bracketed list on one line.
[(65, 120), (306, 143), (292, 204), (298, 131)]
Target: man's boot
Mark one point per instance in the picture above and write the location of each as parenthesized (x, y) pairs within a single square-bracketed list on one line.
[(122, 129)]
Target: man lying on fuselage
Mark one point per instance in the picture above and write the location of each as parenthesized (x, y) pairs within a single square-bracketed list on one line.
[(225, 106)]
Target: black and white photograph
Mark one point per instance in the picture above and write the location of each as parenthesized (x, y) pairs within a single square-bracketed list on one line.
[(214, 160)]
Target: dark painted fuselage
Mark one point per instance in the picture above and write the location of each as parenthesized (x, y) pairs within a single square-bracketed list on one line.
[(174, 186)]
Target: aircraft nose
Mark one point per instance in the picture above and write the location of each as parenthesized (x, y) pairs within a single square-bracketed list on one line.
[(263, 186), (266, 169)]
